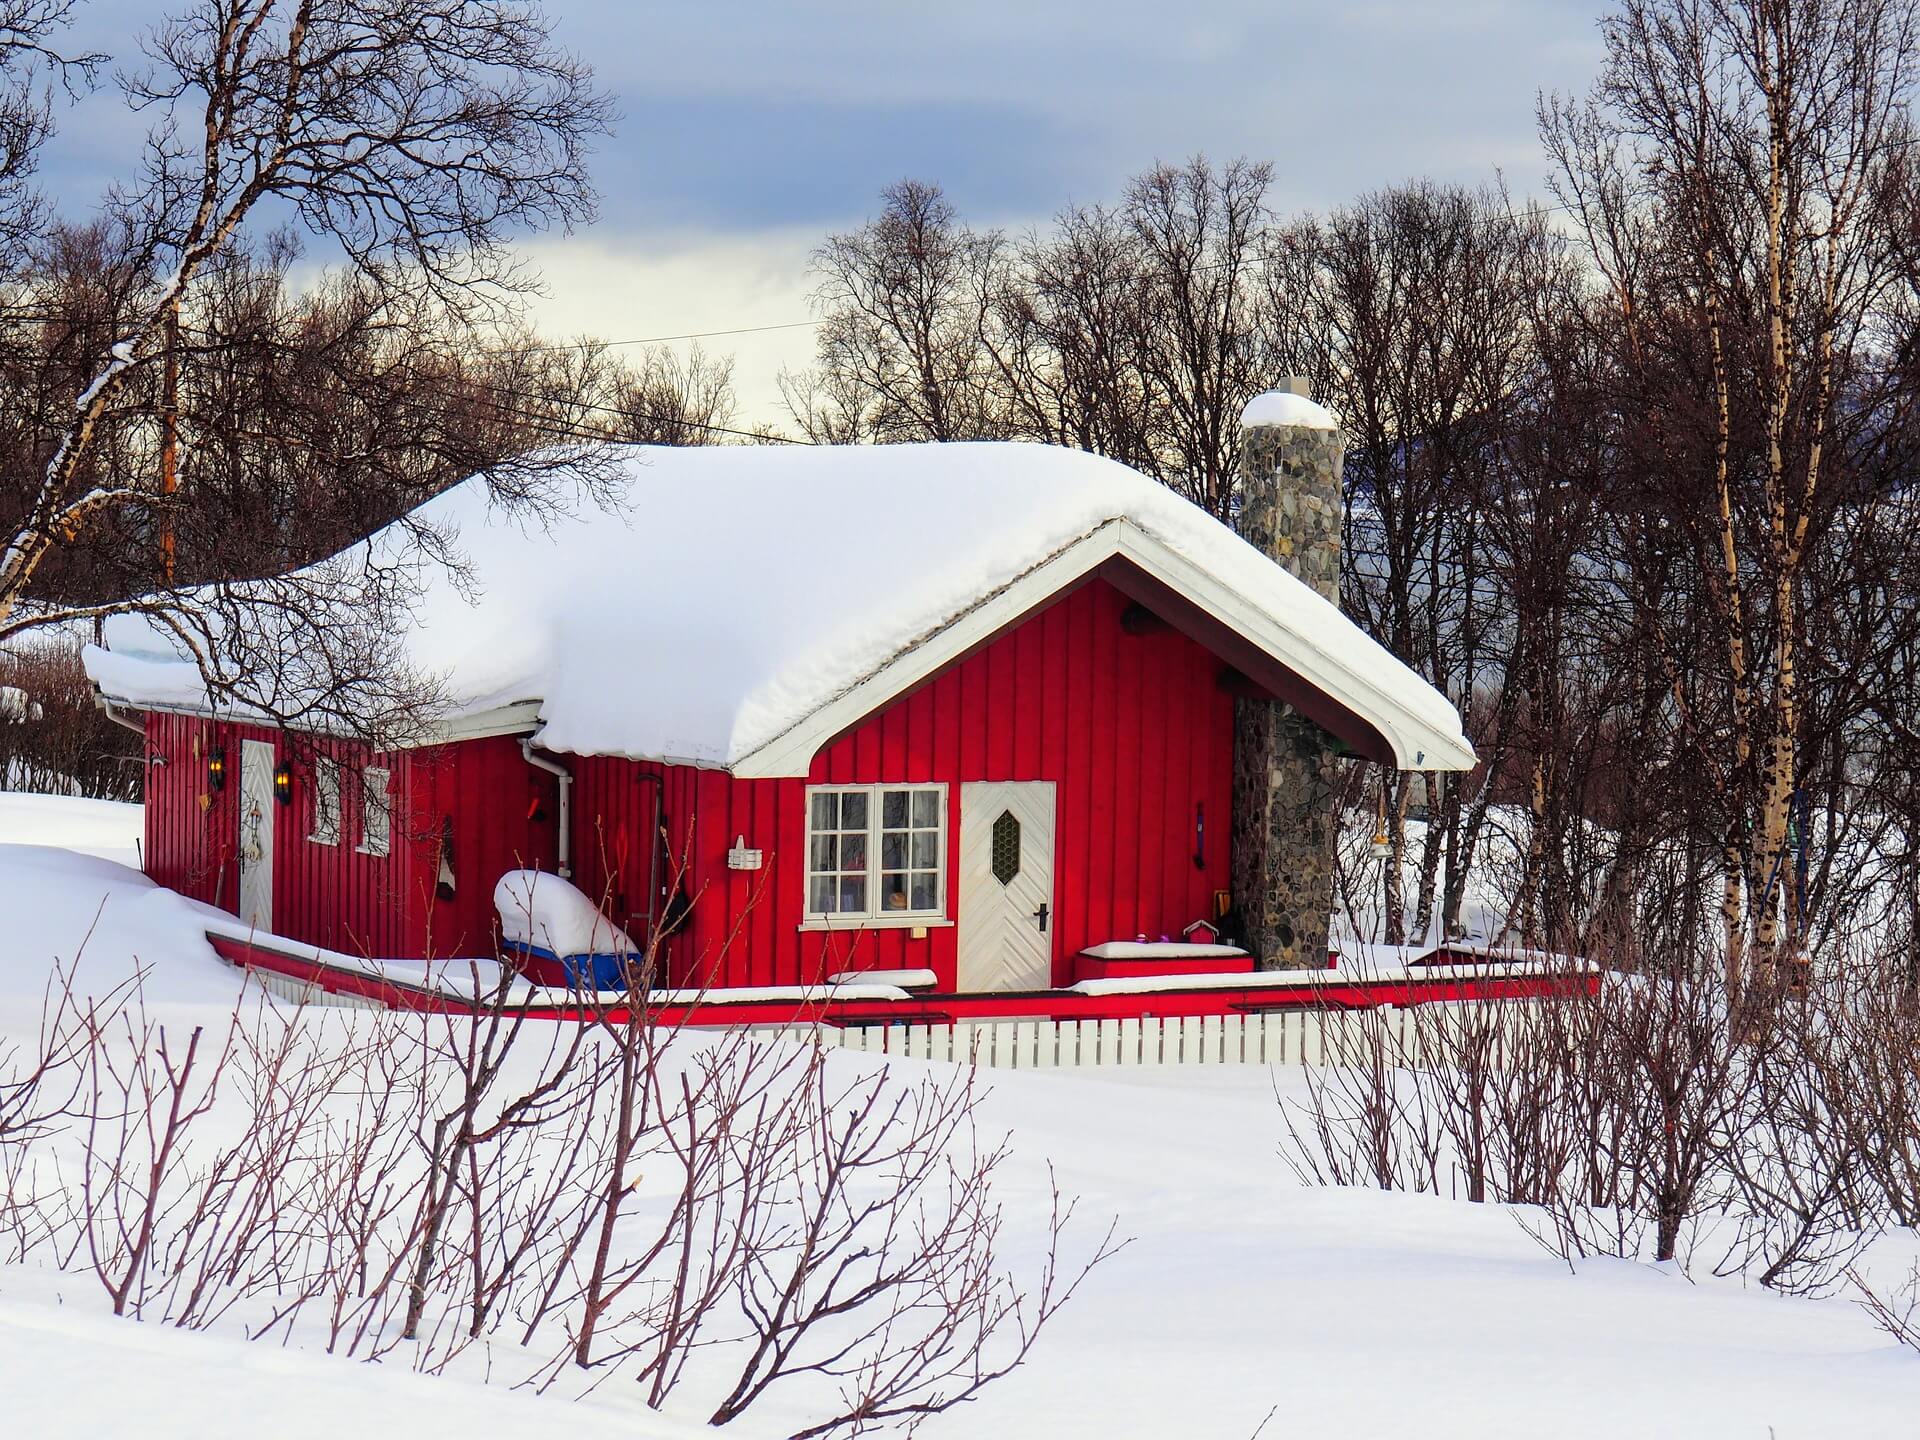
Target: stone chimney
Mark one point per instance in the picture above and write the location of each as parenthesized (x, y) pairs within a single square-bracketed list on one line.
[(1286, 774)]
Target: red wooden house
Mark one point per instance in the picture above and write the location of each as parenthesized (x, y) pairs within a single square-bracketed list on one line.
[(964, 708)]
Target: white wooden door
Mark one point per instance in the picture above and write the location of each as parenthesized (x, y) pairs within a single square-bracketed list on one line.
[(1006, 885), (257, 809)]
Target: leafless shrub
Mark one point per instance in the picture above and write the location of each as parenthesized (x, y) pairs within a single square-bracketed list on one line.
[(1896, 1312), (879, 1268), (1361, 1123), (638, 1196), (1642, 1120), (53, 738), (41, 1087), (469, 1151), (144, 1095)]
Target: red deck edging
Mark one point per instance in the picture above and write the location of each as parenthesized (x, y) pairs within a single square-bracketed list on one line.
[(1334, 992)]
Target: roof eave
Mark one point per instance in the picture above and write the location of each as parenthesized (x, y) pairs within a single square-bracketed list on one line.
[(1415, 743), (517, 717)]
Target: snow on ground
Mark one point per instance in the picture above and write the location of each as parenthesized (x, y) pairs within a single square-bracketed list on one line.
[(1342, 1313), (106, 828), (69, 1369), (103, 923), (1363, 1313)]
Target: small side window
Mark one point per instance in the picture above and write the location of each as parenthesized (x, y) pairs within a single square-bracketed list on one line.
[(326, 802), (376, 810)]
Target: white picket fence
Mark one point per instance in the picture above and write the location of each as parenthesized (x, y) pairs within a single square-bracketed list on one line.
[(308, 992), (1281, 1037)]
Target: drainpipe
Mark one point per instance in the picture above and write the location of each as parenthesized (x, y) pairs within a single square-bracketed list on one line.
[(125, 722), (565, 777)]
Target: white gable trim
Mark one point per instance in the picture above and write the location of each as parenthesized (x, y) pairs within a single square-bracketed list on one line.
[(1417, 743)]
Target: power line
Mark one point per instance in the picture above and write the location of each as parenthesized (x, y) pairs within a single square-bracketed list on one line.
[(669, 339)]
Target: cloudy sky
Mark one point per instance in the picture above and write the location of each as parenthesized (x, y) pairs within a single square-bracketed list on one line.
[(750, 129)]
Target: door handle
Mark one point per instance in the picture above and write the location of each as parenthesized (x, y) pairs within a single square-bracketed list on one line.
[(1041, 915)]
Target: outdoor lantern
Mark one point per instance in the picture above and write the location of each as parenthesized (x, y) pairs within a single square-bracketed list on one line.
[(217, 769), (283, 782)]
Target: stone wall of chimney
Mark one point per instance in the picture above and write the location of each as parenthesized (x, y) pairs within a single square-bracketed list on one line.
[(1287, 770)]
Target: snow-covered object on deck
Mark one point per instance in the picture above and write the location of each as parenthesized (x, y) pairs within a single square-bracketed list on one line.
[(542, 910), (1160, 950), (1280, 407), (899, 979), (738, 603)]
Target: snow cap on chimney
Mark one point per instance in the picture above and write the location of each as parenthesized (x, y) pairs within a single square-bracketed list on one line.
[(1289, 403)]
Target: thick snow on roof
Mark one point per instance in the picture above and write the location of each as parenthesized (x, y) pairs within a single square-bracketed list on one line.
[(737, 590), (1280, 407)]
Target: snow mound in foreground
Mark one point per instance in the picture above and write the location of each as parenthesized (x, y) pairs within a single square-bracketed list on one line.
[(109, 829), (104, 922)]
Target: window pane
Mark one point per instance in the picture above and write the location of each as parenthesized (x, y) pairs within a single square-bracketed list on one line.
[(893, 892), (825, 811), (853, 892), (853, 852), (326, 801), (926, 807), (820, 892), (822, 852), (926, 849), (893, 850), (375, 828), (926, 891), (853, 811), (893, 809)]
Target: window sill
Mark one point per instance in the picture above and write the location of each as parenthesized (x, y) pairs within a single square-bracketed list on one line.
[(372, 854), (877, 922)]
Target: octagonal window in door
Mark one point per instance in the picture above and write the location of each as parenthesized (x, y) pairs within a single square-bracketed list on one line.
[(1006, 847)]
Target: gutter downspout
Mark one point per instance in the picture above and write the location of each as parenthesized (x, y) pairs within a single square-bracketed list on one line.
[(125, 722), (564, 857)]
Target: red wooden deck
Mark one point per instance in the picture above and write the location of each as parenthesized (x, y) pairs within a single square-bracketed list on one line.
[(1327, 989)]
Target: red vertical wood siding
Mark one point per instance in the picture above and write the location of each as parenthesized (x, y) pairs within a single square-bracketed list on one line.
[(192, 831), (1132, 728), (337, 895), (505, 815)]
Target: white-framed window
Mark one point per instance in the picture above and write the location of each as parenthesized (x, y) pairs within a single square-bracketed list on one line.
[(376, 812), (326, 802), (876, 852)]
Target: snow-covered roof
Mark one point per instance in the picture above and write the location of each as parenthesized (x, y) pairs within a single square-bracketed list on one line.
[(741, 606)]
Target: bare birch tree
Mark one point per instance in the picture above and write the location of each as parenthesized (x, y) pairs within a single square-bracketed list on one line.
[(413, 140), (1734, 175)]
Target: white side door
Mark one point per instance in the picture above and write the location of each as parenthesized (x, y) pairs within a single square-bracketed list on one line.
[(1006, 885), (256, 833)]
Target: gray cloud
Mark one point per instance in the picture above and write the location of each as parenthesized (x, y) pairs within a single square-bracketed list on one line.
[(742, 117)]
